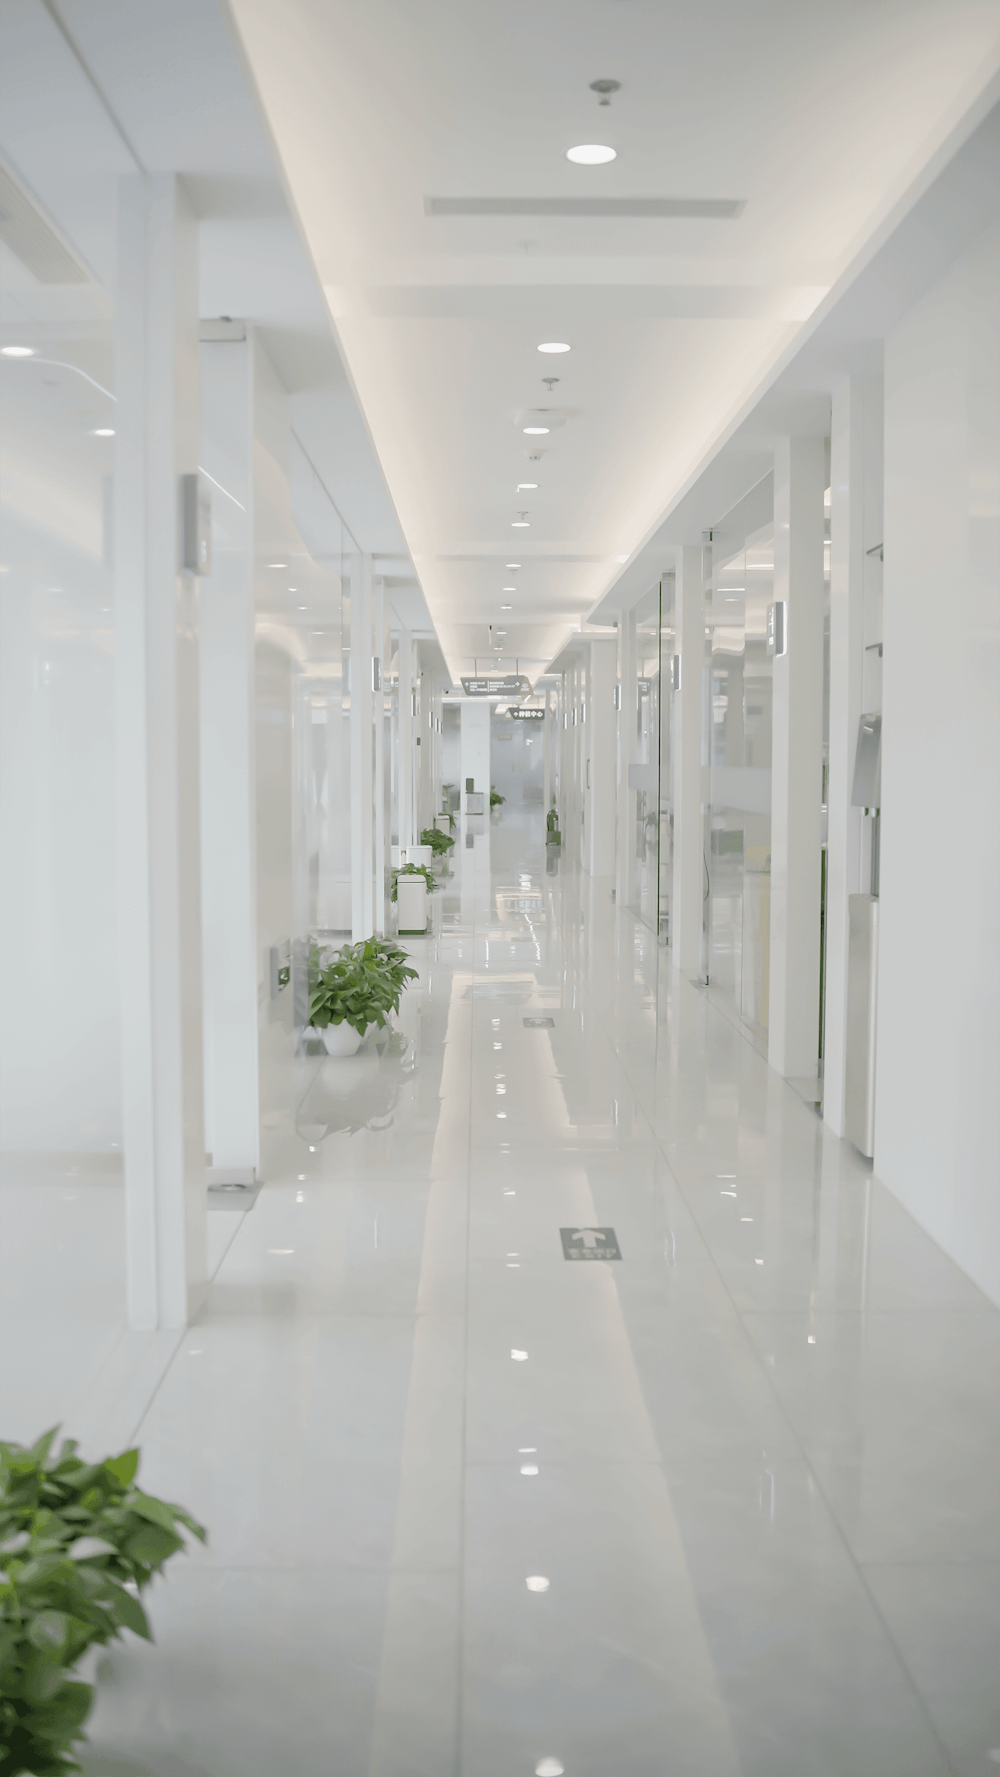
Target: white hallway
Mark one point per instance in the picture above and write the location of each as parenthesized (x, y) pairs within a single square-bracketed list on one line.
[(754, 1461)]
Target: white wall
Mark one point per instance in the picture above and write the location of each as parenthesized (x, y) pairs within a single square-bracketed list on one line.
[(937, 1133)]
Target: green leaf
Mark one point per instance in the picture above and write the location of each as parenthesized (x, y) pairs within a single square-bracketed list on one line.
[(123, 1467), (48, 1630), (154, 1509), (151, 1545), (41, 1681), (127, 1611)]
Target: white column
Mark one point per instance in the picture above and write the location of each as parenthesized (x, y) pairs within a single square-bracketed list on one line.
[(227, 716), (599, 739), (156, 660), (380, 763), (689, 868), (547, 740), (406, 738), (362, 758), (797, 760), (625, 861), (475, 748), (855, 516)]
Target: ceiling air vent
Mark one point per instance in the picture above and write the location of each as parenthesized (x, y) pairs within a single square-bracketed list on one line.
[(33, 240), (708, 208)]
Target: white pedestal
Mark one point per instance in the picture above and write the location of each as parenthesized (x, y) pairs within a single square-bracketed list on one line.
[(411, 904)]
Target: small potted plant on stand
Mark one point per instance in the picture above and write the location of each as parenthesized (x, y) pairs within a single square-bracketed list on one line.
[(411, 886), (552, 833), (496, 800), (440, 843), (354, 988)]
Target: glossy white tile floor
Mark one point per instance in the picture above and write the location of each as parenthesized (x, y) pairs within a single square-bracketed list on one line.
[(755, 1461)]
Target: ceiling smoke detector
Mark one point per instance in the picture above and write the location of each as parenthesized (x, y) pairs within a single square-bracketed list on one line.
[(604, 89)]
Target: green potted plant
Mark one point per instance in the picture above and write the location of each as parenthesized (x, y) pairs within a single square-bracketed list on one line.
[(496, 800), (440, 843), (411, 885), (552, 833), (353, 988), (74, 1538)]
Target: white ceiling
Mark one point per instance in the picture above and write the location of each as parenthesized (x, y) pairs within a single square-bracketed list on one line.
[(825, 117), (161, 84)]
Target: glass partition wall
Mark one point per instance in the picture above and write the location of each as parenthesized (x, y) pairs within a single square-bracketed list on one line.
[(738, 748)]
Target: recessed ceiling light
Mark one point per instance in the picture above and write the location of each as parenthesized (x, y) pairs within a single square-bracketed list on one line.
[(591, 154), (17, 351), (512, 564), (535, 431), (555, 346), (506, 607), (520, 524), (523, 486), (278, 564), (104, 431), (508, 589)]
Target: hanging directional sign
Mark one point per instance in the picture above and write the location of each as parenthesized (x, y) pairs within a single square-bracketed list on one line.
[(523, 715), (590, 1243), (509, 685)]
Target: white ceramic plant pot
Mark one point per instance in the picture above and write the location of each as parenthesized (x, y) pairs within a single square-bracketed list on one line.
[(443, 824), (342, 1039), (411, 903), (419, 854)]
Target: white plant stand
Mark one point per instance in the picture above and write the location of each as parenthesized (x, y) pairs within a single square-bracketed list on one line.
[(411, 903)]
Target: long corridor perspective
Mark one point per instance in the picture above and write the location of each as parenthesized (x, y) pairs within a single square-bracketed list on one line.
[(565, 1403), (499, 850)]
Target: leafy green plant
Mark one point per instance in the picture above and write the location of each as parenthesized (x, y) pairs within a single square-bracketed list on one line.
[(413, 870), (439, 842), (553, 835), (359, 984), (78, 1542), (496, 800)]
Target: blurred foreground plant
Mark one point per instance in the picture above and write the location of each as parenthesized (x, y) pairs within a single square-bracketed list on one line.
[(78, 1542)]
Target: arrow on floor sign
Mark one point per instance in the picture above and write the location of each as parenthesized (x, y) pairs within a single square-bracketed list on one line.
[(589, 1236)]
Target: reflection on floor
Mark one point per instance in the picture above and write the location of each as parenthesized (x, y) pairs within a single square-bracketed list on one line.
[(727, 1505)]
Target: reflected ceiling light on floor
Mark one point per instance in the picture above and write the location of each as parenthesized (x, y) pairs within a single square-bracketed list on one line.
[(520, 524), (529, 1468), (278, 564), (555, 345), (536, 1582), (591, 154), (17, 351), (512, 564)]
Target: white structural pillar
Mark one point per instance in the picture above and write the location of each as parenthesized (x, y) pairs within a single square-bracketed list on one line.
[(407, 835), (362, 758), (855, 527), (599, 746), (156, 662), (689, 870), (381, 764), (627, 748), (797, 759), (227, 726), (475, 748)]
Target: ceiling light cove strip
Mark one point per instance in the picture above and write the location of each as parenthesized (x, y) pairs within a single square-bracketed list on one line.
[(717, 209)]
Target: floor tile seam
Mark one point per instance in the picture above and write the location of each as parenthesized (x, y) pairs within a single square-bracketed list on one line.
[(836, 1526), (973, 1562)]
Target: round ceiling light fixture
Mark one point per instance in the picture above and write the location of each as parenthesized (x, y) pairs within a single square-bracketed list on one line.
[(554, 345), (17, 351), (591, 154), (535, 431), (520, 524), (506, 607), (512, 564), (104, 431)]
